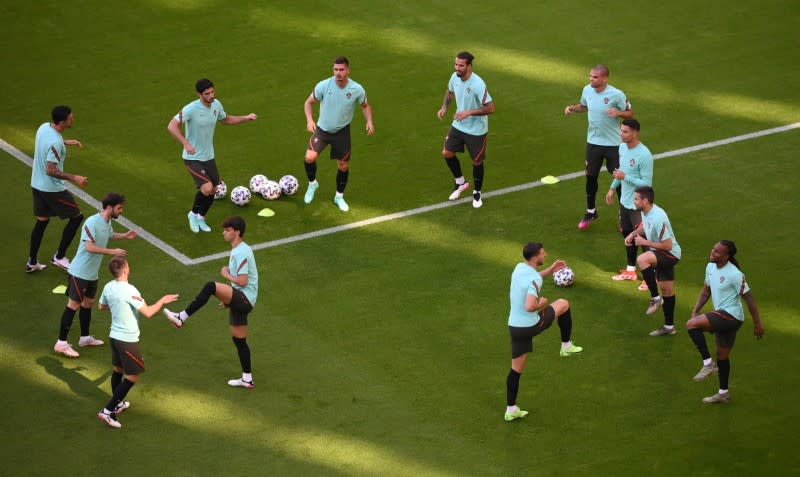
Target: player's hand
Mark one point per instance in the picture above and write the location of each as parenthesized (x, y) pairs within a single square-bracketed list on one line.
[(311, 127), (558, 265), (73, 142), (251, 117), (370, 128), (189, 149), (224, 271), (758, 330), (81, 181), (618, 174), (440, 114), (629, 240), (568, 110), (461, 115), (118, 251), (639, 241), (131, 234), (613, 112), (168, 298), (610, 200)]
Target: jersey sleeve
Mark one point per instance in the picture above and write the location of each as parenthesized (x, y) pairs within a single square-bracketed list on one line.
[(184, 114), (221, 111), (88, 231), (622, 102), (362, 95), (645, 171), (742, 284), (104, 297), (319, 91), (450, 87), (663, 229), (53, 153), (533, 288), (485, 97), (134, 298), (584, 101)]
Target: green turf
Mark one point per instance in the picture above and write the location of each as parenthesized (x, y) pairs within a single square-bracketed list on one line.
[(383, 350)]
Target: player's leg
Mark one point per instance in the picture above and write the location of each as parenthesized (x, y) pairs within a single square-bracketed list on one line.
[(197, 170), (207, 190), (222, 291), (665, 274), (592, 164), (42, 212), (67, 317), (611, 154), (521, 345), (132, 365), (629, 220), (85, 316), (240, 307), (341, 149), (647, 264), (453, 143), (477, 151), (695, 326), (560, 310), (316, 144), (725, 327), (66, 207)]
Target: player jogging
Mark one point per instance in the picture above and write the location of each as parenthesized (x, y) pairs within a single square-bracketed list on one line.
[(239, 297), (531, 313), (470, 125), (125, 303), (338, 97), (724, 284)]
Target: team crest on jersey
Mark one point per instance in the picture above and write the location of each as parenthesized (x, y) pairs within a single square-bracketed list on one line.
[(469, 90), (605, 100), (722, 279), (633, 162), (348, 95)]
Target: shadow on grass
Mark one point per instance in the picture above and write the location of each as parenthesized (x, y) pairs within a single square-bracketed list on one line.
[(78, 383)]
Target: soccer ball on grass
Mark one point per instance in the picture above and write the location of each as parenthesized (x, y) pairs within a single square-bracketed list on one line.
[(564, 277), (271, 190), (221, 190), (257, 183), (288, 185), (240, 195)]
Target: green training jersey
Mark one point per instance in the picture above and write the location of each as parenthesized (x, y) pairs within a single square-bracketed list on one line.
[(637, 164), (470, 94), (525, 280), (86, 265), (727, 284), (242, 262), (124, 301), (49, 148), (603, 130), (337, 104), (199, 122), (657, 228)]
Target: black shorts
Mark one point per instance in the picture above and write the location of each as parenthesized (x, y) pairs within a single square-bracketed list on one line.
[(203, 171), (596, 154), (476, 145), (629, 219), (54, 204), (522, 337), (78, 288), (239, 308), (724, 326), (339, 142), (127, 356), (665, 265)]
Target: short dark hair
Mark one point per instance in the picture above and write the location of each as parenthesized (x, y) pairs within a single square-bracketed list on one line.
[(631, 123), (203, 84), (341, 60), (236, 223), (60, 113), (465, 55), (531, 249), (603, 69), (116, 264), (646, 192), (113, 199)]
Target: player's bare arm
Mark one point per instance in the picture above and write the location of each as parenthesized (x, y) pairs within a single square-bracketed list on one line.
[(758, 328), (239, 119), (73, 142), (367, 110), (53, 171), (575, 108), (702, 299), (448, 98), (174, 128), (311, 126)]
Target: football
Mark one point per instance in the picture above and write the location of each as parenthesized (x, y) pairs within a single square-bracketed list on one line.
[(240, 195), (257, 182), (271, 190), (221, 190), (288, 185), (564, 277)]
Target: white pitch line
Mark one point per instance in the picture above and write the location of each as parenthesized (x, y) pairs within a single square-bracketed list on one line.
[(157, 242), (169, 250)]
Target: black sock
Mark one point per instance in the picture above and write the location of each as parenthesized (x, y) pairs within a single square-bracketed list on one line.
[(630, 250), (341, 180), (69, 233), (85, 317), (37, 234), (197, 206), (700, 342), (565, 325), (311, 170), (477, 176), (244, 353), (201, 299), (116, 378), (591, 191), (724, 366), (649, 275), (512, 387), (669, 310), (205, 204), (66, 323), (119, 394), (454, 165)]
